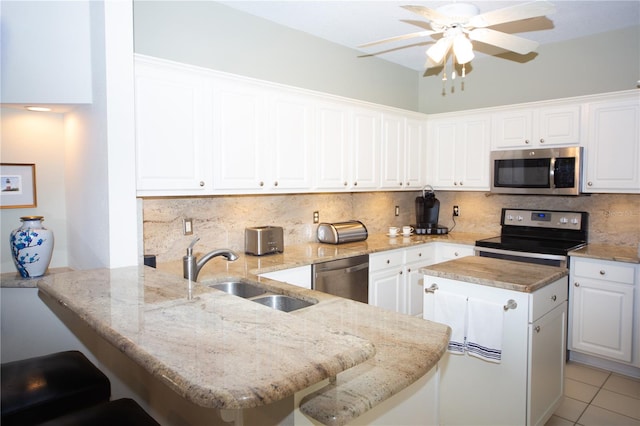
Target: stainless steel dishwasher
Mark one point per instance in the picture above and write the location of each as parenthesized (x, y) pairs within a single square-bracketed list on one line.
[(348, 278)]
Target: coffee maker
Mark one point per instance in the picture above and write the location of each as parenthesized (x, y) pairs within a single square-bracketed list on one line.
[(427, 212)]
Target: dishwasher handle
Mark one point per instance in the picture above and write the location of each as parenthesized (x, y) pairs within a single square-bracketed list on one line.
[(356, 268), (341, 269)]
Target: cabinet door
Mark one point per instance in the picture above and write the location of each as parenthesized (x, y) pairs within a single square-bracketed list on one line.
[(547, 337), (513, 129), (333, 145), (442, 164), (613, 147), (472, 154), (365, 149), (292, 142), (392, 152), (559, 126), (385, 289), (240, 136), (414, 154), (602, 318), (172, 147)]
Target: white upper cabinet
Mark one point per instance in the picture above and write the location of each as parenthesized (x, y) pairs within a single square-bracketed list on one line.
[(613, 145), (459, 153), (333, 146), (536, 127), (290, 127), (403, 150), (365, 149), (172, 139), (239, 124)]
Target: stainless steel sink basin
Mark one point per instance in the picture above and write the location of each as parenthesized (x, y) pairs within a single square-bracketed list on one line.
[(240, 289), (282, 302)]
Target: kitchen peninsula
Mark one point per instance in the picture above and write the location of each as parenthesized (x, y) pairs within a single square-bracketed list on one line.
[(228, 353)]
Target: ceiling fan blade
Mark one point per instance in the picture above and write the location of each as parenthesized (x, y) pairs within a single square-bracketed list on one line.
[(439, 51), (506, 41), (512, 13), (432, 15), (400, 37)]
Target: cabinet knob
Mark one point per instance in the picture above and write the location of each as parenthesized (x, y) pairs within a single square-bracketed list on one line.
[(408, 183), (537, 329), (526, 141), (261, 183), (554, 298), (346, 183), (275, 183), (355, 183), (461, 183), (602, 272), (400, 272), (419, 254), (456, 254), (455, 183), (541, 140), (400, 183), (576, 284), (408, 270), (388, 261), (201, 183), (589, 183)]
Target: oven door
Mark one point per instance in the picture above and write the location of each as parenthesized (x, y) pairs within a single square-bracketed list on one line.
[(520, 256)]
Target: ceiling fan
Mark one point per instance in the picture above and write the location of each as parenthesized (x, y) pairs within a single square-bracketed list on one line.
[(459, 23)]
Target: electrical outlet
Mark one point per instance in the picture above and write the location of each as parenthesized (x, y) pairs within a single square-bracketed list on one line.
[(187, 226), (397, 211), (456, 211), (316, 217)]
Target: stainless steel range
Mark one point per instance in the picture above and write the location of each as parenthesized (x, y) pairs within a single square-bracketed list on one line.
[(537, 236)]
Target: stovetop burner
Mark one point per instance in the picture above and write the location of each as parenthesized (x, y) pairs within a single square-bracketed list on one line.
[(540, 231)]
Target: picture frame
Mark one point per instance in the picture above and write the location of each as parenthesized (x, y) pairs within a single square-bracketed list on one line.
[(17, 186)]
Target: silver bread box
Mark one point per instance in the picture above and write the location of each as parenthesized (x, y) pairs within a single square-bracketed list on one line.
[(342, 232), (263, 240)]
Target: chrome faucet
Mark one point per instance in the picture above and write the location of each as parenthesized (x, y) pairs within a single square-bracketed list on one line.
[(191, 266)]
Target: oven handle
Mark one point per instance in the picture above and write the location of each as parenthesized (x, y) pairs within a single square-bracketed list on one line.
[(520, 253)]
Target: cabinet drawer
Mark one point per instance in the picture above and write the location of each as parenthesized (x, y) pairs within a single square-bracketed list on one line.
[(455, 251), (603, 270), (424, 254), (548, 297), (386, 259)]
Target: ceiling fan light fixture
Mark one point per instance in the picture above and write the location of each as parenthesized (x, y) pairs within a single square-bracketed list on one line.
[(439, 51), (463, 49)]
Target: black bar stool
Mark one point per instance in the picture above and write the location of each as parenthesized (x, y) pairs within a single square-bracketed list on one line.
[(37, 389)]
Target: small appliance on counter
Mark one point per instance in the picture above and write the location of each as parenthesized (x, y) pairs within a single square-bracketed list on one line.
[(427, 212), (263, 240), (342, 232)]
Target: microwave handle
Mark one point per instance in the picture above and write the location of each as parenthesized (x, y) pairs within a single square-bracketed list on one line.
[(552, 173)]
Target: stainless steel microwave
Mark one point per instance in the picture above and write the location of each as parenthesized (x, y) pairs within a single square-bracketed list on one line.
[(548, 171)]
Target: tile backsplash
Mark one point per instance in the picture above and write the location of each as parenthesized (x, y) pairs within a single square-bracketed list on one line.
[(220, 221)]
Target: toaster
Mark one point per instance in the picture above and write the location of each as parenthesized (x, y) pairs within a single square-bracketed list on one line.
[(262, 240), (342, 232)]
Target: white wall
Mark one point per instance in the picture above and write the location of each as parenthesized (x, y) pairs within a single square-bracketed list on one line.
[(36, 137), (215, 36), (48, 60), (607, 62)]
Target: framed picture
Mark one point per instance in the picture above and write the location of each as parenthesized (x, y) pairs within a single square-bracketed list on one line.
[(18, 185)]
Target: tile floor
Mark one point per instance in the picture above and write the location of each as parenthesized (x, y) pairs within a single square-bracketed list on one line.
[(595, 397)]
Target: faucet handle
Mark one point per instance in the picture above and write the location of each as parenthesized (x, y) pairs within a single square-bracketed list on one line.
[(193, 243)]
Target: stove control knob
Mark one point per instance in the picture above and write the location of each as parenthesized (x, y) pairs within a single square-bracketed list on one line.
[(564, 220), (510, 217), (575, 221), (520, 218)]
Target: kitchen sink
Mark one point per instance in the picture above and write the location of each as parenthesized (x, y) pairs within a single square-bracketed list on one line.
[(240, 289), (282, 302)]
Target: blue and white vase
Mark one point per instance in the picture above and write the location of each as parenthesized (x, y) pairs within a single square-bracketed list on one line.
[(31, 247)]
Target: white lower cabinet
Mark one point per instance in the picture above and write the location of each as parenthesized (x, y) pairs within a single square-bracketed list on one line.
[(604, 297), (394, 280), (526, 387)]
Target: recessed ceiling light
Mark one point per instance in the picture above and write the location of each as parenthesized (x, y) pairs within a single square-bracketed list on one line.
[(38, 109)]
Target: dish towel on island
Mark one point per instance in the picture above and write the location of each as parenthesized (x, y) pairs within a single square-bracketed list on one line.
[(451, 309), (484, 329)]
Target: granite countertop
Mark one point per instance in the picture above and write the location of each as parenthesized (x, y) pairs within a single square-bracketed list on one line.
[(608, 252), (159, 320), (506, 274)]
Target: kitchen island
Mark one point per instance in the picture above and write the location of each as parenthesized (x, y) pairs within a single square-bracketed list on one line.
[(228, 353)]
